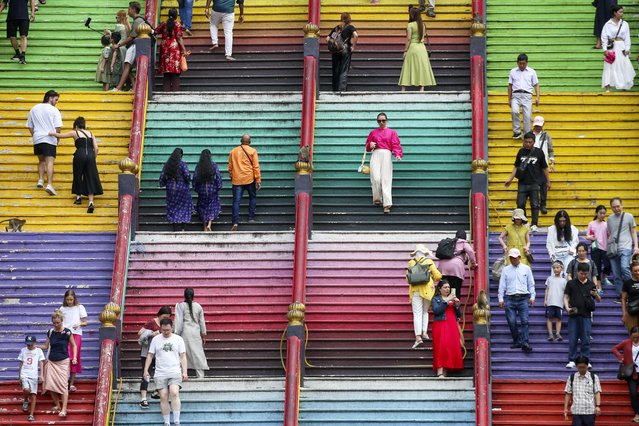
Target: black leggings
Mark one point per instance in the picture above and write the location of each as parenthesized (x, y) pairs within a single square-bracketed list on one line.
[(144, 385), (171, 82)]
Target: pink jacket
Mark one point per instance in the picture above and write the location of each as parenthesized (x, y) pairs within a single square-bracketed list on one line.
[(385, 139)]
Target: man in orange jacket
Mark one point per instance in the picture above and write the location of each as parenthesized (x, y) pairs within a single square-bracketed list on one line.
[(244, 170)]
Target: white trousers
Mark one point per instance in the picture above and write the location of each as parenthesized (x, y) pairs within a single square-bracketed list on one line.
[(420, 314), (382, 176), (521, 101), (228, 20)]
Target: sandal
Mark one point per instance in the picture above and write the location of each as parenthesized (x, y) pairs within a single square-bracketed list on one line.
[(72, 388), (155, 395), (441, 376), (55, 410), (62, 414), (144, 403)]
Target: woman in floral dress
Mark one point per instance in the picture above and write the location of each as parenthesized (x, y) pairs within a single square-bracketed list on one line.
[(176, 178), (169, 35), (207, 182)]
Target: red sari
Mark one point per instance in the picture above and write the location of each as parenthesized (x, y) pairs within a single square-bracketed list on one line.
[(447, 351), (170, 54)]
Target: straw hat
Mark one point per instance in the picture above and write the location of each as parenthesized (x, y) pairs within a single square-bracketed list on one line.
[(421, 248), (519, 214)]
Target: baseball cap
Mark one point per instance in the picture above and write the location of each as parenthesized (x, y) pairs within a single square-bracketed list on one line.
[(538, 121), (30, 339), (513, 252)]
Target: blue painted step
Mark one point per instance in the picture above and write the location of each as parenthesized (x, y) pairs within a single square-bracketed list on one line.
[(35, 271), (548, 359)]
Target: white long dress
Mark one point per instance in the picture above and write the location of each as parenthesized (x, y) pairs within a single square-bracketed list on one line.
[(191, 332), (620, 74)]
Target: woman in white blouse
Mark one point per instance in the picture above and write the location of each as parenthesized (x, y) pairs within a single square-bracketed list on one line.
[(562, 239), (615, 40)]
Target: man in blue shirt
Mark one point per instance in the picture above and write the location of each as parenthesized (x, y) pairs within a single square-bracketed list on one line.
[(516, 293), (223, 11)]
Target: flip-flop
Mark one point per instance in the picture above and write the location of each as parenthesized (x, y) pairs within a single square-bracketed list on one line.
[(72, 389), (62, 414), (55, 410)]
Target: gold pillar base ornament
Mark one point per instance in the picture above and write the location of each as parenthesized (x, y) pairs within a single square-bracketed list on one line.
[(296, 313), (112, 306), (129, 166), (108, 317), (479, 166), (481, 309), (143, 30), (478, 29), (303, 168), (311, 30)]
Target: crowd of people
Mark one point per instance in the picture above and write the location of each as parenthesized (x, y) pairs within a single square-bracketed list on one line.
[(244, 172), (45, 124)]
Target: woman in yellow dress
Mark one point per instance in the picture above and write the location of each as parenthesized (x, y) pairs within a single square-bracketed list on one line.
[(416, 70), (516, 235)]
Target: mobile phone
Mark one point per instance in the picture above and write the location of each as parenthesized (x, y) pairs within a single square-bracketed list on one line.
[(453, 292)]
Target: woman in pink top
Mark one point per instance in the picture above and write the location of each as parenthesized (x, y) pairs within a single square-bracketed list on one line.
[(597, 234), (453, 270), (381, 143)]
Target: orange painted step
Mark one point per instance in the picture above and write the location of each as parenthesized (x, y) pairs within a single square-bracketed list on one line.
[(80, 408), (518, 402)]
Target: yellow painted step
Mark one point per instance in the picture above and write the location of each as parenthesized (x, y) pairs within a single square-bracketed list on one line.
[(596, 143), (108, 115)]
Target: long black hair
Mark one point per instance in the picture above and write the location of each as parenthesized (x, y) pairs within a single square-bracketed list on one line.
[(564, 233), (414, 15), (598, 209), (205, 172), (172, 165), (170, 23), (189, 294)]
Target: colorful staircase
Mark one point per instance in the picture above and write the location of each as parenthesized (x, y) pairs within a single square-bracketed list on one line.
[(242, 280), (595, 160), (268, 47), (61, 52), (80, 407), (383, 401), (545, 402), (108, 116), (217, 122), (377, 60), (560, 51), (431, 184), (214, 401), (358, 312), (548, 359), (35, 271)]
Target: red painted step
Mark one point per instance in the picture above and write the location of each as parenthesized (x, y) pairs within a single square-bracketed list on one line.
[(516, 402), (80, 408)]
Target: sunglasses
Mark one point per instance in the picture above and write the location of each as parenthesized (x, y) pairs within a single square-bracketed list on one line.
[(381, 121)]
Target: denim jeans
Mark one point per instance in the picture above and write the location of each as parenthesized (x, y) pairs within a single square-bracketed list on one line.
[(238, 192), (579, 328), (517, 306), (632, 388), (531, 192), (620, 265), (186, 13)]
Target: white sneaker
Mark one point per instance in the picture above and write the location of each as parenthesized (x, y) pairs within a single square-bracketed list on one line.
[(571, 364), (40, 183), (50, 190), (534, 228)]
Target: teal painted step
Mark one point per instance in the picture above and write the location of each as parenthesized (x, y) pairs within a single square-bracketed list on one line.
[(387, 401), (557, 36), (61, 54), (430, 185), (213, 401), (217, 122)]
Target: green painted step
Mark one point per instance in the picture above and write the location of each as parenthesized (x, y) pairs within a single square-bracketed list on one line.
[(216, 122), (62, 54), (557, 36), (430, 185)]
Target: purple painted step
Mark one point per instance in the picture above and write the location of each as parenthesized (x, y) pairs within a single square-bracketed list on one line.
[(35, 271), (548, 359)]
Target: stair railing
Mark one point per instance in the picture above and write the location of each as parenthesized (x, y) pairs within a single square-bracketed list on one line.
[(295, 330), (479, 185), (128, 190)]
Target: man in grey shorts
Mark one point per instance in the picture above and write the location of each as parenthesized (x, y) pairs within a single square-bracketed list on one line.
[(170, 369)]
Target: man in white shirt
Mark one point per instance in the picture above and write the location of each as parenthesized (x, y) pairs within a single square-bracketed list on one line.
[(623, 224), (31, 359), (543, 141), (170, 369), (45, 118), (522, 80), (516, 292)]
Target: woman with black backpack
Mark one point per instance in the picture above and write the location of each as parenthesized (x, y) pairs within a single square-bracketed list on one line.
[(341, 43)]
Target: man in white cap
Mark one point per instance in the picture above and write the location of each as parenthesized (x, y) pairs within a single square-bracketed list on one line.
[(543, 141), (516, 293)]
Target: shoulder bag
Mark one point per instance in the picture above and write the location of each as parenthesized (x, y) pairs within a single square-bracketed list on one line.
[(611, 43), (363, 168), (613, 246), (528, 255), (626, 370)]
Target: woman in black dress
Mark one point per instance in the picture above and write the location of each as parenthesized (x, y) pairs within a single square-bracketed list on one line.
[(603, 13), (86, 180)]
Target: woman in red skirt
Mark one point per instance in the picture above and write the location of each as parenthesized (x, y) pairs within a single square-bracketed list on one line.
[(447, 350)]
